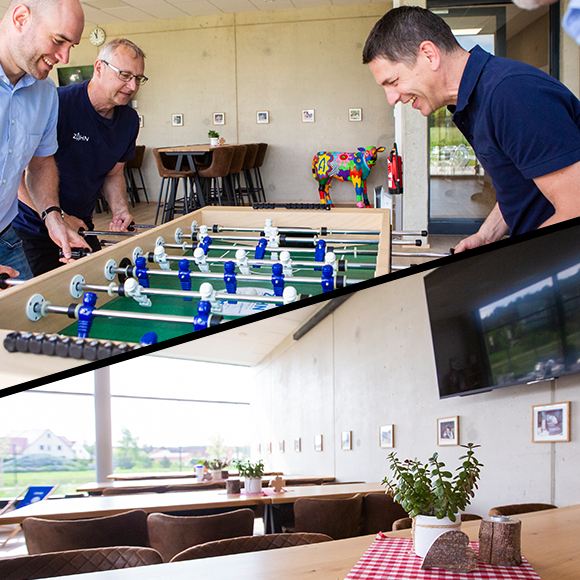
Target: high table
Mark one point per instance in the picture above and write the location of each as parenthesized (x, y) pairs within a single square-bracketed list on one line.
[(549, 542)]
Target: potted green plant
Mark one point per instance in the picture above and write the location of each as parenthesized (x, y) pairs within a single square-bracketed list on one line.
[(252, 472), (213, 138), (432, 495), (216, 468)]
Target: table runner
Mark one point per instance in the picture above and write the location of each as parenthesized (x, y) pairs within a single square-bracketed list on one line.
[(391, 559)]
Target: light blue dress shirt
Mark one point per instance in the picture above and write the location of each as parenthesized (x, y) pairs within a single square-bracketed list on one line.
[(571, 20), (28, 118)]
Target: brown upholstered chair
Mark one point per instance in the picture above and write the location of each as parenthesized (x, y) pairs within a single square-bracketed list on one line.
[(520, 508), (235, 170), (170, 535), (470, 517), (76, 562), (132, 166), (170, 178), (407, 523), (259, 161), (125, 529), (379, 511), (337, 518), (134, 490), (248, 188), (249, 544), (221, 162)]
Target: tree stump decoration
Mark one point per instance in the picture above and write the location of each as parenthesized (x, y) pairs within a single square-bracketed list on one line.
[(451, 551), (499, 541)]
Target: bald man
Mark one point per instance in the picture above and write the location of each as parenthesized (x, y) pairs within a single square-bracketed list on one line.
[(33, 39)]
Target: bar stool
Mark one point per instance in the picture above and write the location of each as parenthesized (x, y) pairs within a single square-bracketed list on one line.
[(235, 169), (170, 186), (130, 166), (248, 189), (262, 148), (221, 162)]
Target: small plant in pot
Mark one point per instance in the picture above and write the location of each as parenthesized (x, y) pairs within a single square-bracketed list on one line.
[(213, 138), (432, 495), (252, 472), (216, 468)]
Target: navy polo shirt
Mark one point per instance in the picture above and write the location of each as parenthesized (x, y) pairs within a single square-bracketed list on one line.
[(89, 147), (522, 124)]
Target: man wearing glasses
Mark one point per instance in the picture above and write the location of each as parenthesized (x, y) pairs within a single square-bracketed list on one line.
[(97, 129)]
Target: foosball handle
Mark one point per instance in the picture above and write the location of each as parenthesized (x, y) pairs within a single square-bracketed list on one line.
[(3, 277), (76, 253)]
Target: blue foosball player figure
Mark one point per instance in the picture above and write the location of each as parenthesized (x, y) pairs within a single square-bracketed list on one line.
[(141, 271), (260, 250), (201, 319), (327, 280), (86, 314), (320, 251), (278, 279), (205, 244), (148, 338), (184, 277), (230, 279)]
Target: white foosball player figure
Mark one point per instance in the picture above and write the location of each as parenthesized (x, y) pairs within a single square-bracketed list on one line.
[(208, 293), (330, 259), (161, 258), (134, 290), (242, 262), (201, 260), (286, 262), (271, 234), (289, 295)]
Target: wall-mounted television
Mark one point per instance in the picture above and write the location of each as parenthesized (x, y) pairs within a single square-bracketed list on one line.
[(509, 316), (74, 75)]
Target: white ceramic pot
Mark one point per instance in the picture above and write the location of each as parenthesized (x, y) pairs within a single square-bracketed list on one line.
[(253, 484), (214, 141), (215, 474), (429, 528)]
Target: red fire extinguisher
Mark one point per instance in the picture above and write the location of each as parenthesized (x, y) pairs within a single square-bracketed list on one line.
[(395, 172)]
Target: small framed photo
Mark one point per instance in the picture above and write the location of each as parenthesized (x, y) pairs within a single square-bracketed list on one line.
[(262, 117), (298, 445), (448, 431), (141, 121), (318, 443), (308, 115), (219, 118), (355, 114), (259, 448), (281, 446), (551, 422), (346, 440), (177, 120), (387, 436), (268, 447)]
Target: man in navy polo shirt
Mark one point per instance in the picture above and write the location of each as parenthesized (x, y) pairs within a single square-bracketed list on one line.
[(97, 130), (523, 125)]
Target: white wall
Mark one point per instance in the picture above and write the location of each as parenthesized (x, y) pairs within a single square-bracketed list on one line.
[(370, 364)]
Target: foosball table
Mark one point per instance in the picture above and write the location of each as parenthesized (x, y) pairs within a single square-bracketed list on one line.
[(198, 271)]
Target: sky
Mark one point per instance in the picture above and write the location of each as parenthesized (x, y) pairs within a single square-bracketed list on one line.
[(154, 422)]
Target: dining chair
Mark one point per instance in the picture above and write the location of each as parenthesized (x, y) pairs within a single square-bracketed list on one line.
[(406, 523), (170, 535), (247, 189), (249, 544), (379, 511), (235, 170), (72, 562), (337, 518), (132, 166), (520, 508), (219, 168), (124, 529), (258, 162), (32, 494)]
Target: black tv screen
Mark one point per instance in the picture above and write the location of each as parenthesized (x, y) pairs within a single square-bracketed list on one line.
[(508, 316)]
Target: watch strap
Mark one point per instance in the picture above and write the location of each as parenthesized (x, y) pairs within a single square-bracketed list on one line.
[(51, 209)]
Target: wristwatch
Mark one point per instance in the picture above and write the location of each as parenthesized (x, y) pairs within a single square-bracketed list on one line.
[(51, 209)]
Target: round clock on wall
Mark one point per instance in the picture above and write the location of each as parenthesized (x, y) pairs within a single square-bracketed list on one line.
[(97, 36)]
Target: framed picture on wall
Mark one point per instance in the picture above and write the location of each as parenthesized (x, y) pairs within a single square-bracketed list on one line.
[(268, 447), (297, 445), (346, 440), (141, 121), (281, 446), (259, 448), (551, 422), (262, 117), (355, 114), (448, 431), (318, 443), (219, 118), (177, 120), (308, 115), (387, 436)]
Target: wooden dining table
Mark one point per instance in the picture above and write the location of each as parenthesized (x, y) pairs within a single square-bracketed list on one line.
[(549, 542), (131, 476)]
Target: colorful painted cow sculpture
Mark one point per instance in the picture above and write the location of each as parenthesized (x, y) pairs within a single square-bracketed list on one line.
[(353, 167)]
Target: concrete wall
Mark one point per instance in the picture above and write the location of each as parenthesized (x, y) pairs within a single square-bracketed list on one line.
[(279, 61), (371, 364)]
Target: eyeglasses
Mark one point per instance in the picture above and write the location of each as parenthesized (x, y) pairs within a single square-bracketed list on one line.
[(126, 76)]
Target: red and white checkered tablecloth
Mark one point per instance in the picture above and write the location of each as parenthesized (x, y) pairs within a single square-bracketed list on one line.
[(391, 559)]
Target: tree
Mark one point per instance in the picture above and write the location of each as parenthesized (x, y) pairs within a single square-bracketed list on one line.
[(217, 449), (165, 462)]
